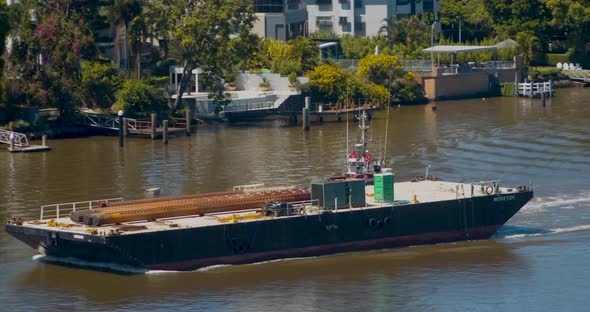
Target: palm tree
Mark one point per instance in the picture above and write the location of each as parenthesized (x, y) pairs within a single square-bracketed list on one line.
[(119, 13), (394, 30)]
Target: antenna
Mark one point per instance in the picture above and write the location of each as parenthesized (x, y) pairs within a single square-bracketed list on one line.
[(347, 142), (387, 121)]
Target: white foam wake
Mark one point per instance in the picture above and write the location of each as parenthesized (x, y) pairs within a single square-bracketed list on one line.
[(101, 266), (556, 202), (577, 228)]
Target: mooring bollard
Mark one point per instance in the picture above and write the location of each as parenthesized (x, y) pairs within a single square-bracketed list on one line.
[(165, 133), (154, 125), (188, 122)]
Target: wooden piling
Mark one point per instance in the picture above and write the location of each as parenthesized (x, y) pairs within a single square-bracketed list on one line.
[(44, 140), (305, 114), (188, 122), (154, 125), (11, 148), (121, 141), (165, 133)]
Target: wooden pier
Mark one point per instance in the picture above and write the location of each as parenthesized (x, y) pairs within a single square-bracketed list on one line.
[(145, 127)]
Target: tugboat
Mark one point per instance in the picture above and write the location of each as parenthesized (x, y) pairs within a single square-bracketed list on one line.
[(359, 163)]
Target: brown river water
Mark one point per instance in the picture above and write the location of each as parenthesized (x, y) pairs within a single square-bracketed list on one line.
[(537, 262)]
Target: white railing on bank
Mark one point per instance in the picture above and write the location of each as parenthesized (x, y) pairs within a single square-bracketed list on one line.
[(535, 88)]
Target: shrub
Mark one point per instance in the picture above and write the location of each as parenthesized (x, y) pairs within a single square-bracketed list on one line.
[(138, 97)]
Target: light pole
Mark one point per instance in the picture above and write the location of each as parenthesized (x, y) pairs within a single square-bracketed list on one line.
[(459, 17), (432, 28)]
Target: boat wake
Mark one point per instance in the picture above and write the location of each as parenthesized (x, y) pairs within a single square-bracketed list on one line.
[(99, 266), (516, 232), (539, 204)]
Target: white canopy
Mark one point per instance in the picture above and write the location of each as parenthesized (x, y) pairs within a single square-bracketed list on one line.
[(457, 49)]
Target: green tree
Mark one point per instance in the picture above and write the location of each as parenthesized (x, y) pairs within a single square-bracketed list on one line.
[(46, 53), (359, 47), (98, 84), (514, 16), (4, 29), (215, 36), (139, 96), (571, 17), (406, 37), (474, 18)]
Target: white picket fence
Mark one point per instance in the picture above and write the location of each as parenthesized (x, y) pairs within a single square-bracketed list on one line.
[(532, 89)]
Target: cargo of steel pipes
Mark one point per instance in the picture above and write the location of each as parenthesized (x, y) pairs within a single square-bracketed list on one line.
[(185, 206)]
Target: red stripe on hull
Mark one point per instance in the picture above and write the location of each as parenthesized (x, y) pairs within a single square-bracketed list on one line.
[(381, 243)]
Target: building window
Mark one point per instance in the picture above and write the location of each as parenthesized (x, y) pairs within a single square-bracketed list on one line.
[(324, 23), (428, 6), (358, 4), (269, 6)]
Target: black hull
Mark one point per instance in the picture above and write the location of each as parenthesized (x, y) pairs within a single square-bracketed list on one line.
[(291, 237)]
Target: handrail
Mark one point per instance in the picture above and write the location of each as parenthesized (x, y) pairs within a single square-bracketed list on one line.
[(107, 121), (66, 208), (20, 140)]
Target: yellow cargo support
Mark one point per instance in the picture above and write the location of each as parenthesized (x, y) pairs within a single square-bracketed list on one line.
[(236, 217)]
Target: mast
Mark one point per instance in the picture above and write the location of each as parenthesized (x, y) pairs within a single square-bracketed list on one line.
[(364, 127)]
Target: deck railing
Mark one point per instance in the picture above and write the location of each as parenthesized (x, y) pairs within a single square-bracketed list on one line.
[(54, 211)]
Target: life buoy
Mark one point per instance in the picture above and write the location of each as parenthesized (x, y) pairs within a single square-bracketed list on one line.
[(489, 189)]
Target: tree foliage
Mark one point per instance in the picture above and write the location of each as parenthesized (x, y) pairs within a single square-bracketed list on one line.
[(4, 29), (406, 37), (514, 16), (387, 72), (138, 97), (214, 35), (98, 84), (298, 56), (46, 52), (379, 80), (328, 82)]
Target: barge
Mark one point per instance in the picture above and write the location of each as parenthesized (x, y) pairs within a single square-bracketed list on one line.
[(337, 217)]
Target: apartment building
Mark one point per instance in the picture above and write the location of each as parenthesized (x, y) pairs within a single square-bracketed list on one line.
[(362, 17), (280, 19)]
